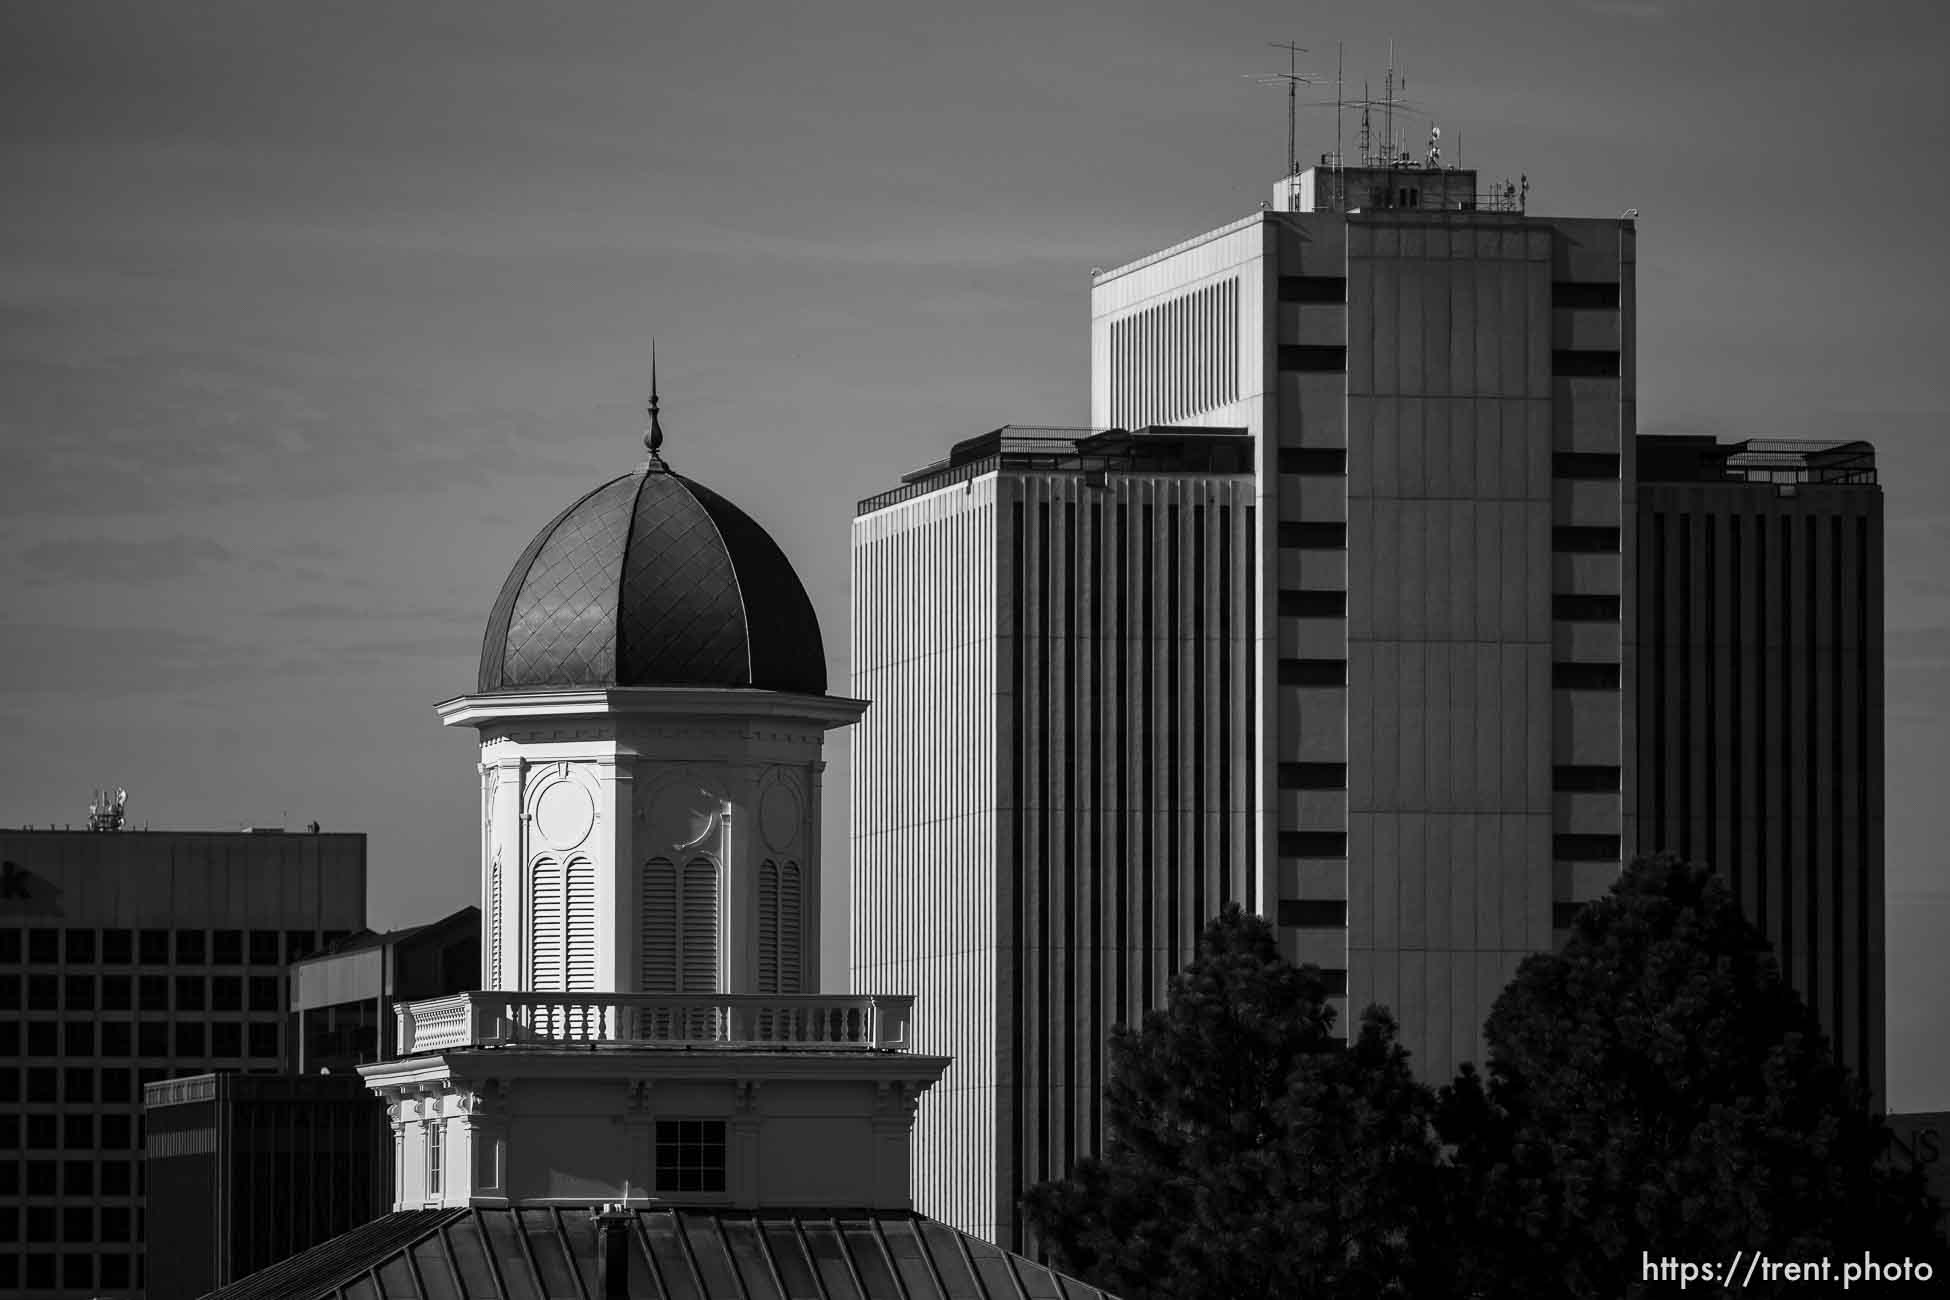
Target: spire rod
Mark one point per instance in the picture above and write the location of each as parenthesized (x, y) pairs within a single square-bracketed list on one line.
[(654, 438)]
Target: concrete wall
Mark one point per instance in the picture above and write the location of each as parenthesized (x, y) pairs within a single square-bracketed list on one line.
[(926, 819)]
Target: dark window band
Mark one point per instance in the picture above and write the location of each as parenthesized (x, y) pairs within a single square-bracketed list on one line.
[(1313, 776), (1313, 844), (1313, 913), (1585, 465), (1584, 608), (1313, 460), (1584, 778), (1314, 288), (1584, 677), (1313, 672), (1585, 539), (1584, 363), (1316, 537), (1313, 604), (1316, 358), (1585, 848), (1585, 295)]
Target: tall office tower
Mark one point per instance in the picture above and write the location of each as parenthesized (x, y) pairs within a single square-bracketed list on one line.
[(1759, 652), (1439, 390), (1053, 790), (125, 958)]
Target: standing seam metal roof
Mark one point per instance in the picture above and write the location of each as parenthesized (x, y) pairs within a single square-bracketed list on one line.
[(675, 1254)]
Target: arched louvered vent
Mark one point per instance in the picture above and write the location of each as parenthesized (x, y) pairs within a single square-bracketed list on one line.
[(494, 922), (679, 927), (779, 927), (657, 928), (792, 924), (545, 926), (700, 919), (768, 926), (579, 961)]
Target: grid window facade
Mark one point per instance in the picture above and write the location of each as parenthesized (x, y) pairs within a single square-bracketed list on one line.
[(690, 1155)]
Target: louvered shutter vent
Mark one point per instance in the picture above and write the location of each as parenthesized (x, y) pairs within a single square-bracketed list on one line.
[(545, 938), (768, 927), (699, 970), (657, 963), (792, 924)]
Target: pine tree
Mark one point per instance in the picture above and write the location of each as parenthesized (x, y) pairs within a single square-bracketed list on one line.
[(1249, 1153), (1656, 1089)]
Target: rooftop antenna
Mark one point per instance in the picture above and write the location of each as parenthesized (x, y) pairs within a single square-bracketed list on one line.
[(1293, 79), (1366, 134), (1388, 119), (1340, 63)]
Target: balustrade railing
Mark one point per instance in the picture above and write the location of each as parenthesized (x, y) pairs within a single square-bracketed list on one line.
[(857, 1022)]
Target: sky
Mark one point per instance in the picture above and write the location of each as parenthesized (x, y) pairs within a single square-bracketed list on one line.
[(312, 314)]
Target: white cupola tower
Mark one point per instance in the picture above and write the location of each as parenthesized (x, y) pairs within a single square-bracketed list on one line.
[(652, 710)]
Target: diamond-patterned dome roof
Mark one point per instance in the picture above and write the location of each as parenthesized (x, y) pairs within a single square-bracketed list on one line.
[(653, 580)]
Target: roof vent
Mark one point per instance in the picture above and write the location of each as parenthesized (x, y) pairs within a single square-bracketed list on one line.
[(613, 1223)]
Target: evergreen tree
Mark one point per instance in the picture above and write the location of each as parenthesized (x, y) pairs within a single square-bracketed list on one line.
[(1656, 1089), (1248, 1152)]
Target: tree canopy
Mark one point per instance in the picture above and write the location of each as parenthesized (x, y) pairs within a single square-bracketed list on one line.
[(1657, 1088), (1248, 1151)]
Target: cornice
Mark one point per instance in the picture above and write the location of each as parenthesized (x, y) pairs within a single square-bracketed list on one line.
[(650, 702)]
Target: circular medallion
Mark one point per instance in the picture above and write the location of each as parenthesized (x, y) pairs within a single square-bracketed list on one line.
[(682, 815), (779, 816), (564, 814)]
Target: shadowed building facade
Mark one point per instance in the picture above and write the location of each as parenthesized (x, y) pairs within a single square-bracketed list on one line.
[(1051, 793), (1760, 724)]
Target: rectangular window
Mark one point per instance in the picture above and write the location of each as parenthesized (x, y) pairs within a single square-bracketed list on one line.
[(81, 947), (189, 993), (115, 1223), (189, 1038), (1313, 776), (152, 992), (42, 1132), (118, 1132), (226, 1038), (154, 947), (40, 1177), (690, 1155), (9, 1084), (1585, 295), (1313, 604), (42, 1082), (78, 1132), (1333, 981), (436, 1139), (152, 1038), (190, 947), (264, 1041), (80, 992), (78, 1084), (117, 993), (1584, 778), (43, 992), (1314, 913), (1312, 358), (1313, 672), (1313, 288), (118, 947), (264, 947), (1584, 609), (1313, 460), (1585, 363), (1584, 677), (80, 1038), (1313, 844), (9, 1133), (43, 1038), (227, 947), (116, 1086), (9, 946), (1585, 848), (298, 944), (1585, 465), (1316, 537), (264, 992), (1582, 539), (44, 947), (116, 1038), (226, 993)]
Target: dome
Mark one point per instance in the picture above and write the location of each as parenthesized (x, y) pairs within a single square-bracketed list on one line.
[(653, 580)]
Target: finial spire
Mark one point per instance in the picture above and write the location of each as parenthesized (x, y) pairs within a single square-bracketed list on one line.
[(654, 439)]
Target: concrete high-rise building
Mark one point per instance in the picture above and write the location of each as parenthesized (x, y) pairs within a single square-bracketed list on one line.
[(1434, 545), (128, 957), (1051, 793), (1759, 652), (1439, 389)]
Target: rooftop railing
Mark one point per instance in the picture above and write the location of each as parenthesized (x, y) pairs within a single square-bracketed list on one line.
[(824, 1022)]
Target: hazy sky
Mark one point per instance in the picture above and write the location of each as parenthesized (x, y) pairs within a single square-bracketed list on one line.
[(312, 314)]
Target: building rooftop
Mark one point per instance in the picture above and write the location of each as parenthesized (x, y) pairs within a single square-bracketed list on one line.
[(1668, 458), (1158, 449), (664, 1253)]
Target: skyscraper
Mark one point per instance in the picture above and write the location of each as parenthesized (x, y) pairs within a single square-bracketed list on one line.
[(1759, 656), (127, 957), (1433, 393), (1050, 793), (1439, 388)]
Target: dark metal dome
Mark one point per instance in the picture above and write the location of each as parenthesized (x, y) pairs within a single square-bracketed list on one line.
[(653, 580)]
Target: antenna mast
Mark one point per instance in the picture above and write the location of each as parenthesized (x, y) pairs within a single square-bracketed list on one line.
[(1293, 79), (1340, 63), (1388, 114)]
